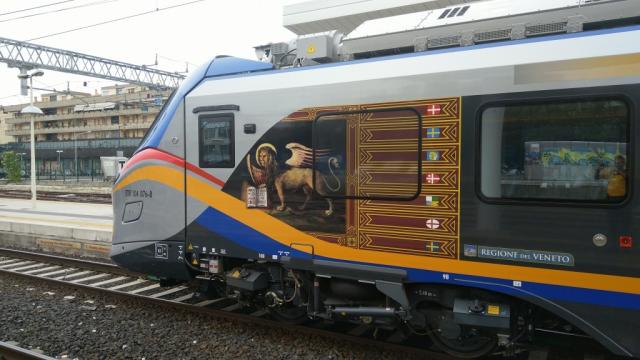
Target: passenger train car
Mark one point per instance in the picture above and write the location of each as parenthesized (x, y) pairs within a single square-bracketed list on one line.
[(481, 194)]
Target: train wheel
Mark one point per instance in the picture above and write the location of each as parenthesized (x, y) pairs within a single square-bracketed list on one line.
[(286, 304), (459, 340)]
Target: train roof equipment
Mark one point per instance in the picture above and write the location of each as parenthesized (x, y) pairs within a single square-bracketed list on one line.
[(343, 30)]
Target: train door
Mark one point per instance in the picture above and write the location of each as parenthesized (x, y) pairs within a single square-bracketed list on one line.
[(211, 158), (399, 173), (549, 184)]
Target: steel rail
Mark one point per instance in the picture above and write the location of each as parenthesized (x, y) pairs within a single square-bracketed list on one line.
[(12, 352), (67, 261), (218, 312)]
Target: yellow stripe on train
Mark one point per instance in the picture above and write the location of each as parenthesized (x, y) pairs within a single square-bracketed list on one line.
[(287, 235)]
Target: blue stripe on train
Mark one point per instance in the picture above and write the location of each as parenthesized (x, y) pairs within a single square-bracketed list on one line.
[(532, 289), (233, 230)]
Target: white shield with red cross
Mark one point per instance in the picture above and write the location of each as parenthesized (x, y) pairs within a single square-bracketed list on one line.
[(433, 224)]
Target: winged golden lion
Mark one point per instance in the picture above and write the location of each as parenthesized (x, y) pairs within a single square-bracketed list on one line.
[(298, 175)]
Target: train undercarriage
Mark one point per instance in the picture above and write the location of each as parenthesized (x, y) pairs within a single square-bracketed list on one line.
[(461, 321)]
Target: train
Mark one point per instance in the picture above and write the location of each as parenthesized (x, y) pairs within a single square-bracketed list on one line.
[(481, 194)]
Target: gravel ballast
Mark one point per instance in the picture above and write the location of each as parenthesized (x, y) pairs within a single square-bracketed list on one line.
[(70, 323)]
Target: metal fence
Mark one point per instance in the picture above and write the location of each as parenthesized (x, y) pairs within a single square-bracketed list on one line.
[(67, 145), (66, 170)]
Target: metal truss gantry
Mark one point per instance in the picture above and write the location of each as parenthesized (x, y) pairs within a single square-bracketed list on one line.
[(25, 56)]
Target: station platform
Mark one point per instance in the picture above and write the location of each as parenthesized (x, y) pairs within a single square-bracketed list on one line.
[(60, 227)]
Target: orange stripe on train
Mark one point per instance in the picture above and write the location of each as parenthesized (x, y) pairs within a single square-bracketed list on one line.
[(287, 235)]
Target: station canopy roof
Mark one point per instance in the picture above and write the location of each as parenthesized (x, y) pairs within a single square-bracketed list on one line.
[(317, 16)]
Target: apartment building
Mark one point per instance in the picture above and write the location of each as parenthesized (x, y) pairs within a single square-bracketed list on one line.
[(4, 138), (82, 126)]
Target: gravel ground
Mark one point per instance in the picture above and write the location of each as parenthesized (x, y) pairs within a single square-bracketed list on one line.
[(71, 324)]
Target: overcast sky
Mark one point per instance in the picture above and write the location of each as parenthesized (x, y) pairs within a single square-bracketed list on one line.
[(192, 33)]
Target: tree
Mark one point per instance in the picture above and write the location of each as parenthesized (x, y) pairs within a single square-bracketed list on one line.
[(11, 166)]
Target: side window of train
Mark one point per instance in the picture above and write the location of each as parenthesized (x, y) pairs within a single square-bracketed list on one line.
[(216, 141), (565, 151), (368, 154)]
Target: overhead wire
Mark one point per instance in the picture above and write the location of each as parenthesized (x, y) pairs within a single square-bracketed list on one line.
[(36, 7), (10, 96), (176, 60), (59, 10), (114, 20), (77, 81)]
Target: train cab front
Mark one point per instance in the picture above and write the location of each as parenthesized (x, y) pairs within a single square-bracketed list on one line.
[(149, 195), (148, 228)]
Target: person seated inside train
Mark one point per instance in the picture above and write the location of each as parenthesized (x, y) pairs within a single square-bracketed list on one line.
[(616, 175)]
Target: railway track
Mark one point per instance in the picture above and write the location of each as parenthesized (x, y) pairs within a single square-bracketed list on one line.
[(59, 196), (108, 278), (10, 351)]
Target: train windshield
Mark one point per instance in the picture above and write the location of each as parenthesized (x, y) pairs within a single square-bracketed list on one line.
[(158, 117)]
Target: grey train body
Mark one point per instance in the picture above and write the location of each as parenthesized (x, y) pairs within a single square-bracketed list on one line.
[(182, 218)]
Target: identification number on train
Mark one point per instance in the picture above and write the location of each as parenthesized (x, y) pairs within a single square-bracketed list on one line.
[(136, 193)]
